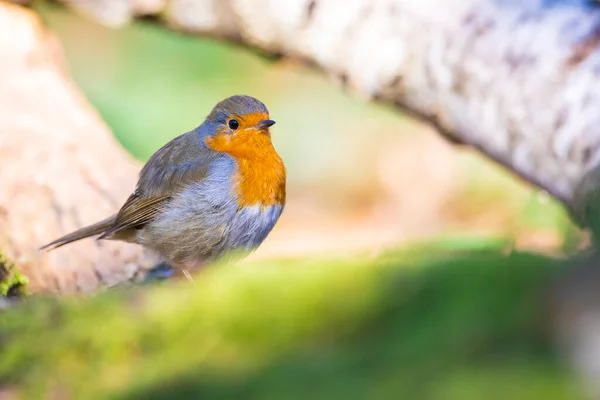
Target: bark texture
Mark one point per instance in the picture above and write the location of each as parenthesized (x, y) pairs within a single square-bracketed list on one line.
[(61, 167), (516, 79)]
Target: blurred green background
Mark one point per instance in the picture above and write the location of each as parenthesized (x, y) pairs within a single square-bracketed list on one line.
[(403, 266), (361, 176)]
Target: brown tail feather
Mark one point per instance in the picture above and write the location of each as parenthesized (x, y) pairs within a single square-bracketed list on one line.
[(95, 229)]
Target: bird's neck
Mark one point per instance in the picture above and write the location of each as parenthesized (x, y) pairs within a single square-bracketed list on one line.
[(260, 177)]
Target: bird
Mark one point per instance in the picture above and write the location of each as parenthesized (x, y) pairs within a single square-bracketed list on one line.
[(216, 190)]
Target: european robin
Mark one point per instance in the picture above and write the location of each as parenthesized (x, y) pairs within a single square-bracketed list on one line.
[(217, 189)]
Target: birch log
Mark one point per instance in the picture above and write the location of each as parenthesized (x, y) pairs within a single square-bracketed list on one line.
[(517, 80), (60, 165)]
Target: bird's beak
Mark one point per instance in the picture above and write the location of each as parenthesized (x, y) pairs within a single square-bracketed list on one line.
[(265, 123)]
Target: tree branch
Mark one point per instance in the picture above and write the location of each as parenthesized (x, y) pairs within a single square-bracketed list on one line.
[(61, 167), (516, 80)]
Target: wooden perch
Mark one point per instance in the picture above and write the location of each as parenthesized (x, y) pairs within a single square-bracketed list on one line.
[(61, 167), (516, 79)]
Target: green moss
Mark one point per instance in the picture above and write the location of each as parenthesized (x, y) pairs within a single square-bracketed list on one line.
[(12, 282), (453, 325)]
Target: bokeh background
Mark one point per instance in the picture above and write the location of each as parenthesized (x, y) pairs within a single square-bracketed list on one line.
[(361, 176), (403, 267)]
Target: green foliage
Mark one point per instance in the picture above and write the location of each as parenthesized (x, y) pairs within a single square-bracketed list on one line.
[(12, 282), (462, 325)]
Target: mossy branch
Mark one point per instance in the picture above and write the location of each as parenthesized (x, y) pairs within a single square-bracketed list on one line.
[(12, 282), (399, 325)]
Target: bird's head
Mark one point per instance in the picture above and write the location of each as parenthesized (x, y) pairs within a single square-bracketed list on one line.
[(239, 126), (238, 122)]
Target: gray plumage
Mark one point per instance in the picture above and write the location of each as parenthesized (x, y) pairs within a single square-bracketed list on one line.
[(185, 204)]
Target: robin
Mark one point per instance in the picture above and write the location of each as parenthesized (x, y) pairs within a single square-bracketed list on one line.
[(217, 189)]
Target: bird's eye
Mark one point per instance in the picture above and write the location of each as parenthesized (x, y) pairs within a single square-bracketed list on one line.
[(233, 124)]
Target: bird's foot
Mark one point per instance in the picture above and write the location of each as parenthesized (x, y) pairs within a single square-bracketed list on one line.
[(160, 271)]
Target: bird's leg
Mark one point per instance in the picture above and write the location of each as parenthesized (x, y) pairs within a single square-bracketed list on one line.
[(166, 270), (186, 266), (187, 274)]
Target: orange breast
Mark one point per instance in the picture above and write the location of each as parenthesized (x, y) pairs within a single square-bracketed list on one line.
[(260, 175)]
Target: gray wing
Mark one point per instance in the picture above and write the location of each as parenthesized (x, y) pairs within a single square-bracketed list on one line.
[(178, 163)]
